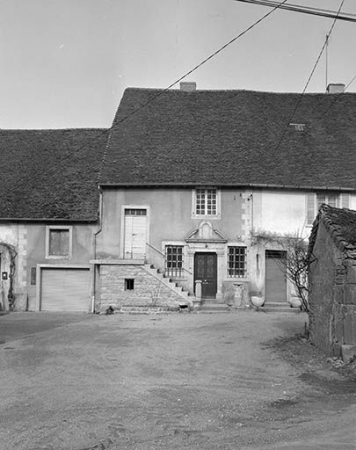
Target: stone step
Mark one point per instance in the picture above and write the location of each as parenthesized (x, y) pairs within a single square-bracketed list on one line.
[(210, 307), (145, 310), (278, 307)]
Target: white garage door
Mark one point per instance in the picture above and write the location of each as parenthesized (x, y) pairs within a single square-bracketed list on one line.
[(65, 289)]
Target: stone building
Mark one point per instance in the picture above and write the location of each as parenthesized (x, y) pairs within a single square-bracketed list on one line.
[(332, 281)]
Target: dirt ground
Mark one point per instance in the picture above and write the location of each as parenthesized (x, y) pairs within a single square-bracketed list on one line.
[(244, 380)]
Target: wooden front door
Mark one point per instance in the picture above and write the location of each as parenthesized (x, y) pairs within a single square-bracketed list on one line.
[(205, 269), (276, 278)]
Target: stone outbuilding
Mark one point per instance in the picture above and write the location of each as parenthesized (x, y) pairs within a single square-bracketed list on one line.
[(332, 281)]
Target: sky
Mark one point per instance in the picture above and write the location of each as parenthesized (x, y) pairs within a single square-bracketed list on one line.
[(66, 63)]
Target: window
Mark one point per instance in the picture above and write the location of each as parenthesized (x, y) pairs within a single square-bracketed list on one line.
[(206, 202), (129, 284), (59, 242), (314, 201), (236, 263), (174, 260)]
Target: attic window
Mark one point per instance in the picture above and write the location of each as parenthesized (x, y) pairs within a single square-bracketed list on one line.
[(298, 126)]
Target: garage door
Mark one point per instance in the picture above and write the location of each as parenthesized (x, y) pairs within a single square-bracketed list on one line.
[(65, 290), (276, 280)]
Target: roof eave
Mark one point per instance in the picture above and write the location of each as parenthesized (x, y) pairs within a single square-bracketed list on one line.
[(241, 185)]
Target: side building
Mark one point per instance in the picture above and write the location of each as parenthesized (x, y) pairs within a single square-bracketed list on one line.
[(49, 214)]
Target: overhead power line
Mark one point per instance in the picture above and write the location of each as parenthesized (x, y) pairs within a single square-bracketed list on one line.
[(191, 71), (154, 98), (348, 17), (308, 81)]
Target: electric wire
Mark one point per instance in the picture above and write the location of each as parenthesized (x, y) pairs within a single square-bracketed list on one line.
[(155, 97), (303, 9), (306, 85)]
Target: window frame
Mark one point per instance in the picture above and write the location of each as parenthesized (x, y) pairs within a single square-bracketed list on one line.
[(174, 271), (236, 261), (50, 228), (217, 213)]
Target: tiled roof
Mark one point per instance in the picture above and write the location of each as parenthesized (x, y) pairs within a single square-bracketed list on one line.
[(50, 174), (340, 224), (231, 138)]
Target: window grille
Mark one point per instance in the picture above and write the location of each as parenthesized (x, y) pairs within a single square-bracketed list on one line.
[(174, 260), (206, 202), (237, 262)]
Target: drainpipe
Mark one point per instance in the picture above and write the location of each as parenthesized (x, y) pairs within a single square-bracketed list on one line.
[(94, 239)]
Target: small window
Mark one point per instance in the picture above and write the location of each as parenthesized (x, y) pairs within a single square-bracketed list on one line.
[(206, 202), (174, 260), (59, 242), (33, 276), (129, 284), (236, 262)]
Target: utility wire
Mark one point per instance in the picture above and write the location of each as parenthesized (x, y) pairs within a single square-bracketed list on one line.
[(337, 96), (135, 111), (189, 73), (307, 83), (303, 9)]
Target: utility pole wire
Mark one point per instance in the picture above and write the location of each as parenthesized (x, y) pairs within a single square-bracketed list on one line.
[(156, 97), (307, 83), (303, 9)]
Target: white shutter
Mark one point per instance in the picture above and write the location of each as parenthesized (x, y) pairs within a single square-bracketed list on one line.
[(310, 206), (65, 289), (345, 200), (135, 237)]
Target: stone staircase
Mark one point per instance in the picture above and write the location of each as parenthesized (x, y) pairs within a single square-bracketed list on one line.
[(212, 306), (186, 296), (278, 307)]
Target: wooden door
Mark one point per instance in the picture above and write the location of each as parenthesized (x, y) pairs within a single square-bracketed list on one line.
[(205, 269), (276, 279), (135, 233)]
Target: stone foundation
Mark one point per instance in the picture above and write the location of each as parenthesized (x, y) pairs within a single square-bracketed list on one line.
[(126, 285)]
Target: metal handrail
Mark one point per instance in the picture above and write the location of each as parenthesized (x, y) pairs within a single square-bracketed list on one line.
[(162, 262)]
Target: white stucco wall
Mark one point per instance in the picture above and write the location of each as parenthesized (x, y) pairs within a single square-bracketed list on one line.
[(280, 212)]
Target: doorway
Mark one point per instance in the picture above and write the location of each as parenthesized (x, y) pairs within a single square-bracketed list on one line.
[(276, 278), (205, 269)]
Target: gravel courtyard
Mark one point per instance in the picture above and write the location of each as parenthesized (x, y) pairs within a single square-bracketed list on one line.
[(195, 381)]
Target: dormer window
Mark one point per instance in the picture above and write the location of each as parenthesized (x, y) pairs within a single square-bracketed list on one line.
[(206, 202), (298, 126)]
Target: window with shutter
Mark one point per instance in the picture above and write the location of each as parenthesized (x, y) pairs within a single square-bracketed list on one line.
[(58, 242), (314, 201)]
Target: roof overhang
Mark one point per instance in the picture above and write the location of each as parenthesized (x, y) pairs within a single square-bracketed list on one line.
[(227, 185)]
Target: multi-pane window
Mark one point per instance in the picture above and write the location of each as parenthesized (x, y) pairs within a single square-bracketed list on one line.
[(206, 202), (236, 263), (174, 260), (59, 242)]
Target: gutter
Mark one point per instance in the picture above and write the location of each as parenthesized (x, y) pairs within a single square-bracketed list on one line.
[(94, 245), (239, 185)]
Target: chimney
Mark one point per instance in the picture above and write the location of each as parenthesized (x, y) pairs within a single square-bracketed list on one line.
[(335, 88), (188, 86)]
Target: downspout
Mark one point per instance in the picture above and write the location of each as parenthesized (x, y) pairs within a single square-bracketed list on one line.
[(94, 245)]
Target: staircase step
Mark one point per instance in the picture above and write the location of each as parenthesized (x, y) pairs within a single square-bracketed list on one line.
[(279, 307), (213, 308)]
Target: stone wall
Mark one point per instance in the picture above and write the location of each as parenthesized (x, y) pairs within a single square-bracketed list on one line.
[(147, 290), (332, 296), (326, 263)]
